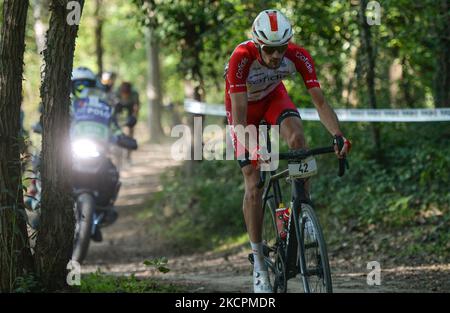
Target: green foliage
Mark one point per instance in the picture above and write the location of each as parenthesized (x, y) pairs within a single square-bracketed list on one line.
[(25, 284), (159, 264), (412, 178), (407, 189), (99, 282), (199, 36), (123, 42), (201, 211)]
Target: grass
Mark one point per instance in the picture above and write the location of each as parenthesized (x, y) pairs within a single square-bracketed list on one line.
[(99, 282), (102, 283), (232, 243), (198, 212)]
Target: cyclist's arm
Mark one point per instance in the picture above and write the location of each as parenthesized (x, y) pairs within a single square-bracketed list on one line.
[(329, 119), (326, 113), (136, 105), (236, 74), (239, 108), (114, 125), (304, 64), (239, 103)]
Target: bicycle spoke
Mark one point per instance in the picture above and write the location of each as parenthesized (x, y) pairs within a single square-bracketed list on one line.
[(317, 273)]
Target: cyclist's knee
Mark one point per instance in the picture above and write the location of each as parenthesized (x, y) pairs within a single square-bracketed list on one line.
[(296, 140), (249, 172), (251, 178)]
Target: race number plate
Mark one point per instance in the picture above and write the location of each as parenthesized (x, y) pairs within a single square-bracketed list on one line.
[(305, 168)]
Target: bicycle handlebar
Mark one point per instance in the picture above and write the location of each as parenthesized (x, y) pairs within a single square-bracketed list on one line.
[(303, 154)]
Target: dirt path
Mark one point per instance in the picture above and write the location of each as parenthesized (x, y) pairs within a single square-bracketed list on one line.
[(128, 243)]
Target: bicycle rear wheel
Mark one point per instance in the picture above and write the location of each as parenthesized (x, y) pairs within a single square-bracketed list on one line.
[(316, 267), (273, 249)]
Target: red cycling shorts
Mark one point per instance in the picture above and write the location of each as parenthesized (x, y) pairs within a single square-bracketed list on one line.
[(273, 108)]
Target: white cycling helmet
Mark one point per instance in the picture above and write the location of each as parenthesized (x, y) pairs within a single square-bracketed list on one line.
[(271, 28), (82, 78), (83, 73)]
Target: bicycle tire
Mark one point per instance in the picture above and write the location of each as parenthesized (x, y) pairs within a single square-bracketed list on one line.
[(314, 251), (85, 207), (273, 249)]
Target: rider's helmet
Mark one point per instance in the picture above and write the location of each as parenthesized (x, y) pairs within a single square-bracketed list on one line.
[(83, 77), (271, 28), (108, 80)]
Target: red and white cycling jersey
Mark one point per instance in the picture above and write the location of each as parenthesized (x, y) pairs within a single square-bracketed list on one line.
[(245, 70)]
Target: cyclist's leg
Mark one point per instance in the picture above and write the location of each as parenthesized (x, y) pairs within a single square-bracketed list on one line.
[(254, 215), (252, 203), (291, 130), (283, 112), (130, 132)]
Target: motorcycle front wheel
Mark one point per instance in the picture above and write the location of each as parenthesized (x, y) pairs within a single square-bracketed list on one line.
[(84, 213)]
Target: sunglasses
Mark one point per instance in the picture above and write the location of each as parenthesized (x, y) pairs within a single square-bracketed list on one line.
[(85, 83), (271, 49)]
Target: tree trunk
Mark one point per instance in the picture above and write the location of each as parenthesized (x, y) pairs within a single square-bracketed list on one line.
[(55, 237), (442, 76), (40, 14), (395, 76), (154, 91), (15, 255), (369, 71), (99, 36), (405, 84), (196, 129)]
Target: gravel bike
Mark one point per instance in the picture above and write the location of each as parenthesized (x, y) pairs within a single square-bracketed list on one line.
[(303, 251)]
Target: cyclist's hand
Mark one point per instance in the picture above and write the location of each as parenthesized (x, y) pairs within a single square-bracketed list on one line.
[(342, 146), (259, 156)]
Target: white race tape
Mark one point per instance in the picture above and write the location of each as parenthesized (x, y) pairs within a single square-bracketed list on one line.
[(345, 115)]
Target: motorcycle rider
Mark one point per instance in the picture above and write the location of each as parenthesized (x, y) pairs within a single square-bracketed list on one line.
[(84, 86), (86, 91), (93, 117)]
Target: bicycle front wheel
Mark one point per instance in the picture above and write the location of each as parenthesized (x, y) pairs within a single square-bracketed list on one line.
[(316, 276), (273, 249)]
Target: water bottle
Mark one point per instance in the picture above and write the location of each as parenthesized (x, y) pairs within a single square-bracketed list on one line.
[(282, 217)]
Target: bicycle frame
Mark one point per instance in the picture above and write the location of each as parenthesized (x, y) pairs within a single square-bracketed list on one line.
[(291, 246), (293, 249)]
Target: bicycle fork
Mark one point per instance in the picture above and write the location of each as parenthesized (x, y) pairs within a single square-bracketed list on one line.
[(296, 262)]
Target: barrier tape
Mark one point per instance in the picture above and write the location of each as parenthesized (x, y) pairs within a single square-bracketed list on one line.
[(344, 115)]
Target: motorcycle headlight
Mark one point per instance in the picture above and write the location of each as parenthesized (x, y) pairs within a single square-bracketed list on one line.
[(85, 149)]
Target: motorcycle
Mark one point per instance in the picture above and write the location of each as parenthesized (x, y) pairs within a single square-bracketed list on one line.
[(95, 181), (96, 184)]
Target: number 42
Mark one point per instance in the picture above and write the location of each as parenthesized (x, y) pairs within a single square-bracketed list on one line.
[(303, 168)]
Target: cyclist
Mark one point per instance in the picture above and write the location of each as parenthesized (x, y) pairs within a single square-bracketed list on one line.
[(108, 80), (255, 91), (128, 100)]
